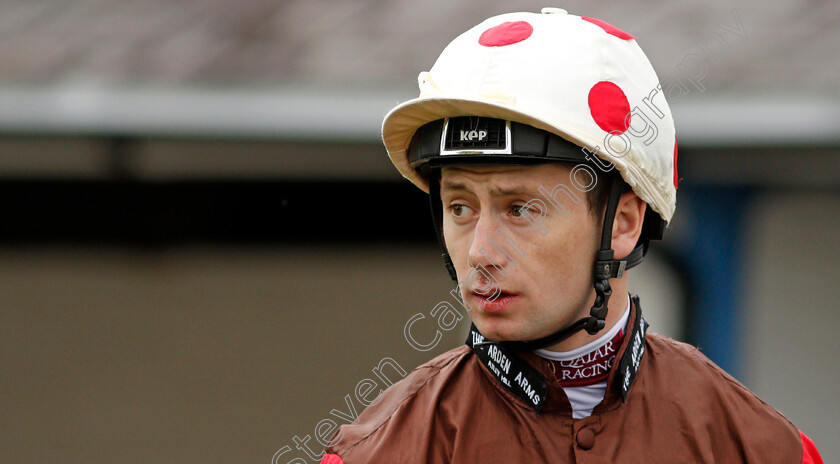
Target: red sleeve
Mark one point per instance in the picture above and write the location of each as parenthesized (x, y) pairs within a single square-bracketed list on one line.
[(810, 455), (335, 459)]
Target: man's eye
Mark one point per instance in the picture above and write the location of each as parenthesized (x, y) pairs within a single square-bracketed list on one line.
[(519, 210), (460, 210)]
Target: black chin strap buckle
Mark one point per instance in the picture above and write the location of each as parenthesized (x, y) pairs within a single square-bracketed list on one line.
[(604, 262)]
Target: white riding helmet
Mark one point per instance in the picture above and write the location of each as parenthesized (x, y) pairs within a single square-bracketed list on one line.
[(578, 77)]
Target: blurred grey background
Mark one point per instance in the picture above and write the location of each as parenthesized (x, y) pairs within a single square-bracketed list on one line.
[(203, 246)]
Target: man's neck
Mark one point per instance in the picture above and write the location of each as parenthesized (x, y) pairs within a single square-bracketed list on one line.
[(618, 305)]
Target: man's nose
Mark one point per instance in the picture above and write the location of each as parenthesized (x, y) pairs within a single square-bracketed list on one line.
[(488, 245)]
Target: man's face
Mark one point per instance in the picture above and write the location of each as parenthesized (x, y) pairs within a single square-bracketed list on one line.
[(532, 284)]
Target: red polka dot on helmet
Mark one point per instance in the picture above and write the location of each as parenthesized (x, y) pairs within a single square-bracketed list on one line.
[(506, 34), (609, 107), (676, 176), (609, 28)]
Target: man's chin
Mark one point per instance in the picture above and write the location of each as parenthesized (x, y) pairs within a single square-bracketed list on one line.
[(501, 331)]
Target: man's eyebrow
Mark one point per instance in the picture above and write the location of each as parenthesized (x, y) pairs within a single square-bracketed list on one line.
[(495, 191), (508, 192), (449, 185)]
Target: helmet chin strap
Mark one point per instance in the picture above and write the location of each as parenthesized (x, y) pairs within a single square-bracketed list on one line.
[(606, 267), (437, 218)]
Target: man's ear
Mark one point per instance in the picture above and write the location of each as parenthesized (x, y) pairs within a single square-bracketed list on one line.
[(627, 226)]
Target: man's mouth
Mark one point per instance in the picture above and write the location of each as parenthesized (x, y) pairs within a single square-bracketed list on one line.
[(495, 302)]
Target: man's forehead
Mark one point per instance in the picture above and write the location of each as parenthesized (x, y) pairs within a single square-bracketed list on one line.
[(499, 180), (524, 172)]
